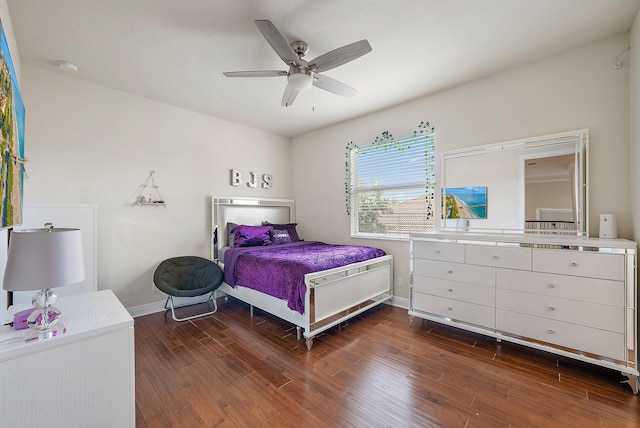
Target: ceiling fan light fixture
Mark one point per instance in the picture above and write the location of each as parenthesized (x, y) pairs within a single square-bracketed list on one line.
[(300, 79), (302, 74)]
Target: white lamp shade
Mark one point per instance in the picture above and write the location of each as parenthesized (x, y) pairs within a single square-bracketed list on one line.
[(44, 258)]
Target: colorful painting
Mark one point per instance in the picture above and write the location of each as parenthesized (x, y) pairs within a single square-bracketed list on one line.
[(466, 202), (11, 139)]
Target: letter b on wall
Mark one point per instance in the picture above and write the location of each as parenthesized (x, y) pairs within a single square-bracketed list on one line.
[(236, 177)]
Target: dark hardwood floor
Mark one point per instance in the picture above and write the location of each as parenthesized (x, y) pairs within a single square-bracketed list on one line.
[(231, 370)]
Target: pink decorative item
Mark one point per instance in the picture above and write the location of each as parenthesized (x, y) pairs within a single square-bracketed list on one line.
[(20, 319)]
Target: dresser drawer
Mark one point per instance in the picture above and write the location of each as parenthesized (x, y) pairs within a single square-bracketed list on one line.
[(592, 290), (471, 293), (603, 317), (438, 251), (595, 265), (481, 275), (483, 316), (587, 339), (509, 257)]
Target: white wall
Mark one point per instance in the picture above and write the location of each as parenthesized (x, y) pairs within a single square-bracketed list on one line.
[(577, 89), (88, 144), (500, 173), (634, 65), (556, 194)]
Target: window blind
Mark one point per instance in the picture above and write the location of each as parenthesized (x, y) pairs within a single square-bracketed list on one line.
[(392, 187)]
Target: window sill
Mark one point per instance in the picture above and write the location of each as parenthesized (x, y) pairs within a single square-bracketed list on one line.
[(381, 237)]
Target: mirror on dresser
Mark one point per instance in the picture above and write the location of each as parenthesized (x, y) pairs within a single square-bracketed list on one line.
[(532, 185)]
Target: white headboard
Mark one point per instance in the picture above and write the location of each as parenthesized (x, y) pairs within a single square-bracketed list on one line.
[(249, 211)]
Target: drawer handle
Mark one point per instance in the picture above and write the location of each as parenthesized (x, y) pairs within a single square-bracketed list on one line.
[(450, 308), (551, 308), (574, 264), (495, 257), (551, 331), (450, 272), (437, 251), (552, 285), (450, 290)]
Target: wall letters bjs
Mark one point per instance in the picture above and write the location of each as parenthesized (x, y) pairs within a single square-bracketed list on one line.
[(236, 179)]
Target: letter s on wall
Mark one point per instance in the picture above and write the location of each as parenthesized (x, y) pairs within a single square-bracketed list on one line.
[(266, 181)]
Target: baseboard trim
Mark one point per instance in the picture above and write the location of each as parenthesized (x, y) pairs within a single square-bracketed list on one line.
[(401, 302), (154, 307)]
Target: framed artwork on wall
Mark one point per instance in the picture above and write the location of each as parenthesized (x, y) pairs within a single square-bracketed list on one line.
[(12, 114), (466, 202)]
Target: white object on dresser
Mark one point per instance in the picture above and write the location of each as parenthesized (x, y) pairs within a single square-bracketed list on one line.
[(82, 377), (572, 296), (608, 226)]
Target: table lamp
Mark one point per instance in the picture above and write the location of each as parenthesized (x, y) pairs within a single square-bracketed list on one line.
[(42, 259)]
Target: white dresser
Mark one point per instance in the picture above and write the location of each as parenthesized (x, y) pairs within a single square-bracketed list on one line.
[(82, 377), (572, 296)]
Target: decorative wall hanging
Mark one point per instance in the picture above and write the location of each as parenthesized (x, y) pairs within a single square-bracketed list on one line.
[(466, 202), (149, 193), (266, 179), (12, 114)]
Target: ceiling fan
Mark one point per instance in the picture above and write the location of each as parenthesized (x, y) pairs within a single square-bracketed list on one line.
[(303, 74)]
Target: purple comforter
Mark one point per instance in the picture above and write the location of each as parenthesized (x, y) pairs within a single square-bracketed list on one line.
[(279, 270)]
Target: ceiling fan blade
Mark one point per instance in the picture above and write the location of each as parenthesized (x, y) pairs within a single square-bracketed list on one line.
[(256, 73), (333, 86), (340, 56), (277, 41), (289, 96)]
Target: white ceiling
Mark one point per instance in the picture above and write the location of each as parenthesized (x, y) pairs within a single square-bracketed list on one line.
[(175, 51)]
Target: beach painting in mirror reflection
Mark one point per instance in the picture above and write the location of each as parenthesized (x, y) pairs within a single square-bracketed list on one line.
[(466, 202)]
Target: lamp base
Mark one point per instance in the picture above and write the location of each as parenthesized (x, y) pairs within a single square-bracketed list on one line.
[(45, 316)]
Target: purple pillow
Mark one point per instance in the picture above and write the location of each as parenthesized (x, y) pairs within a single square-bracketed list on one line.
[(280, 236), (289, 227), (251, 236)]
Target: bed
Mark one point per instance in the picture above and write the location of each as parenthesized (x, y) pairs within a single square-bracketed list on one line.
[(329, 297)]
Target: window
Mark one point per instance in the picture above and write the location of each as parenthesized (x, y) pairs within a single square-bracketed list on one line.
[(390, 185)]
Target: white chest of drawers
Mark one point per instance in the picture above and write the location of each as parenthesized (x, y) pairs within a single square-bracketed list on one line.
[(572, 296), (83, 377)]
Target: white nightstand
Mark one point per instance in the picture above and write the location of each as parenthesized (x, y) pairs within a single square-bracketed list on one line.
[(83, 377)]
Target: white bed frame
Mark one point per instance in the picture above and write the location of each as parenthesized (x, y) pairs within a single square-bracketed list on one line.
[(332, 297)]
